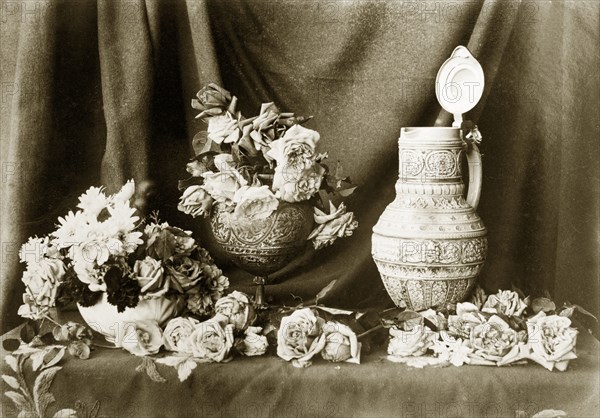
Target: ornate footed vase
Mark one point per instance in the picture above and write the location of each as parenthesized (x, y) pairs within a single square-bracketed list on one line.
[(263, 246), (429, 244)]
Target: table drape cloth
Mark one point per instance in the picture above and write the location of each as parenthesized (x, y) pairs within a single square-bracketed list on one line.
[(97, 92), (109, 384)]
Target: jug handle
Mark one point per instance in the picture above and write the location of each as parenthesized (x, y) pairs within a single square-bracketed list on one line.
[(475, 175)]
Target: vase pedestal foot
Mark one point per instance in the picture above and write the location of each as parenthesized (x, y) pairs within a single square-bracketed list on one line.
[(260, 300)]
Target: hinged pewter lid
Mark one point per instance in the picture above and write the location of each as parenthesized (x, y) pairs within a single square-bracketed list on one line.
[(459, 83)]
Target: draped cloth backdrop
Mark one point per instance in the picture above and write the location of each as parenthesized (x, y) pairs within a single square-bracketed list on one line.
[(97, 92)]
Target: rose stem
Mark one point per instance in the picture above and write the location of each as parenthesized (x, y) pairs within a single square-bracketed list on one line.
[(364, 334)]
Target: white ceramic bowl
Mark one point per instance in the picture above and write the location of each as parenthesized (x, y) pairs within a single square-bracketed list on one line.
[(113, 325)]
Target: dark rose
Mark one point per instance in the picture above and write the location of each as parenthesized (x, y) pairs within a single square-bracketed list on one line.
[(212, 101)]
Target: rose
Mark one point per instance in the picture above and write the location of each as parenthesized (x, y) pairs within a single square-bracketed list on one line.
[(211, 342), (436, 318), (211, 100), (254, 202), (223, 185), (262, 128), (552, 340), (492, 340), (72, 331), (325, 234), (42, 280), (177, 333), (295, 149), (195, 201), (223, 128), (149, 274), (322, 217), (414, 342), (253, 343), (142, 338), (195, 168), (79, 349), (341, 343), (30, 309), (505, 302), (299, 336), (467, 317), (292, 185), (185, 273), (236, 309), (184, 242)]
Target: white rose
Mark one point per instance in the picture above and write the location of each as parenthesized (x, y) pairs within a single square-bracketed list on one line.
[(414, 342), (237, 310), (211, 341), (195, 201), (493, 339), (296, 186), (341, 343), (150, 276), (142, 338), (41, 280), (253, 343), (552, 340), (223, 185), (296, 148), (223, 128), (325, 234), (176, 335), (254, 202), (506, 302), (300, 336)]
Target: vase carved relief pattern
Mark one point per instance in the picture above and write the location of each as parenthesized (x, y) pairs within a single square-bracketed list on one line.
[(263, 246), (429, 244)]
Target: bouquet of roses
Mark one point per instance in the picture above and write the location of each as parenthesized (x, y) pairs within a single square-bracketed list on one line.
[(494, 330), (104, 248), (229, 330), (248, 166)]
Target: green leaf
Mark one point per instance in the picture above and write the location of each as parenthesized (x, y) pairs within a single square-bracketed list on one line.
[(53, 356), (324, 291), (346, 192), (192, 181), (48, 338), (405, 319), (165, 245), (516, 289), (567, 311), (11, 344), (41, 389), (585, 312), (11, 381)]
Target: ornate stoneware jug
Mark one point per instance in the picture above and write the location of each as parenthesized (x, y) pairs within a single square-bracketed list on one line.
[(429, 244)]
